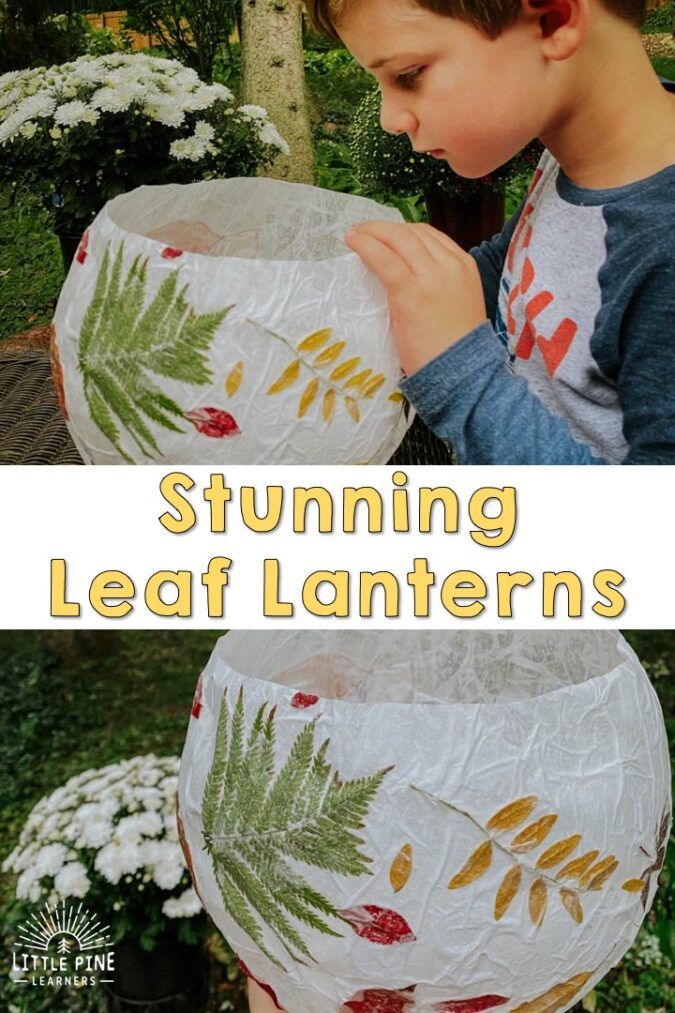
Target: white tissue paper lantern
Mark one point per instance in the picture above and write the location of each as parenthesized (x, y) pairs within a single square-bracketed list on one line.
[(227, 322), (403, 821)]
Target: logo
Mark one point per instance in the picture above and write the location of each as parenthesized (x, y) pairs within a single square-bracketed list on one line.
[(62, 946)]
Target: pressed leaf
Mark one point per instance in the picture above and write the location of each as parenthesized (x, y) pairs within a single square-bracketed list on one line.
[(353, 409), (316, 340), (401, 868), (599, 873), (302, 701), (233, 382), (533, 835), (577, 867), (572, 905), (372, 386), (397, 397), (345, 368), (329, 402), (378, 924), (329, 354), (507, 891), (308, 397), (381, 1000), (358, 380), (213, 422), (538, 900), (197, 699), (287, 378), (557, 853), (474, 868), (513, 814), (633, 886), (556, 998)]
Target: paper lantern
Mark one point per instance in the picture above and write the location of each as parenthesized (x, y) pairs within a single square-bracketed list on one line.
[(449, 822), (227, 322)]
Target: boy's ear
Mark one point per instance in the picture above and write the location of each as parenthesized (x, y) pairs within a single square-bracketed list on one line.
[(562, 24)]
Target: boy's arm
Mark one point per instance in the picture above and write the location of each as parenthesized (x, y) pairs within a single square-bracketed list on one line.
[(469, 396), (490, 257)]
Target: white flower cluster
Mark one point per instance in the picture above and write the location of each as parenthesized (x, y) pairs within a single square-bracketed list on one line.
[(80, 92), (118, 821)]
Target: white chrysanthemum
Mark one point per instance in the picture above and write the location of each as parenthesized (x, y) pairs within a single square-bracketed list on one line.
[(36, 107), (269, 134), (72, 880), (50, 859), (249, 112), (116, 860), (186, 905), (146, 824), (25, 857), (204, 132), (113, 100), (28, 130), (70, 114), (190, 149), (95, 833), (167, 875), (164, 111), (8, 864), (26, 884)]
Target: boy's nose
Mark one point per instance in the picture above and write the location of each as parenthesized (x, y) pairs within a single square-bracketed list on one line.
[(395, 119)]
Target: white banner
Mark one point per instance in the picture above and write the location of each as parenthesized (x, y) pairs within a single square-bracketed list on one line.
[(152, 547)]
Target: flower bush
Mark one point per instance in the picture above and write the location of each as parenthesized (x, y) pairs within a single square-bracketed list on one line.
[(81, 133), (110, 835), (387, 162)]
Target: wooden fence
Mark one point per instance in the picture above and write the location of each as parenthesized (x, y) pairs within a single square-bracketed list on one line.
[(114, 21)]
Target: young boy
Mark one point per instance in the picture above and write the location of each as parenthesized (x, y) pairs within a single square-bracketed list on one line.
[(555, 342)]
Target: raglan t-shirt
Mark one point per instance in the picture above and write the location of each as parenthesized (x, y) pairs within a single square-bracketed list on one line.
[(576, 364)]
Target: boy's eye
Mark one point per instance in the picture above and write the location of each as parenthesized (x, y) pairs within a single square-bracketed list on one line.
[(410, 78)]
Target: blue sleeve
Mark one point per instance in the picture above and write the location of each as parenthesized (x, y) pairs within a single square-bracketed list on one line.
[(490, 257), (646, 375), (469, 396)]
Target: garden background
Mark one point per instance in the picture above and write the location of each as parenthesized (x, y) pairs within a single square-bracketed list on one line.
[(73, 701)]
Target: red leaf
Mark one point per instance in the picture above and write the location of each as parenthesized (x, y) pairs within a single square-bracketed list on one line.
[(476, 1005), (381, 1000), (378, 924), (213, 422), (82, 249), (301, 700), (266, 988), (171, 252), (197, 701)]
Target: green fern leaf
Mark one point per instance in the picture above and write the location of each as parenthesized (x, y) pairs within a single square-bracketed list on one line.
[(263, 818), (127, 343)]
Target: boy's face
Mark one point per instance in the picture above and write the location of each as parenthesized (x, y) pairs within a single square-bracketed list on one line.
[(469, 99)]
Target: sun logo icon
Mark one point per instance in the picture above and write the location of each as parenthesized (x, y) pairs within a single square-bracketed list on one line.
[(62, 945)]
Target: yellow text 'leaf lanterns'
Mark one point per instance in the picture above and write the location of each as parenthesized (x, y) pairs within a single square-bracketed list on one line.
[(227, 322), (426, 822)]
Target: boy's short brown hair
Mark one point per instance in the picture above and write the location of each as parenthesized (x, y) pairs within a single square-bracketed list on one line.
[(492, 16)]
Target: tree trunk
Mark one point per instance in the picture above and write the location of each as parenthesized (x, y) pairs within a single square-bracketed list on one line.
[(274, 77)]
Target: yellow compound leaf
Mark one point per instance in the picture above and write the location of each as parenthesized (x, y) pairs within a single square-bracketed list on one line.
[(316, 340), (598, 874), (556, 998), (572, 905), (330, 354), (358, 380), (308, 397), (397, 397), (557, 853), (576, 868), (353, 408), (507, 891), (533, 835), (401, 868), (512, 815), (233, 382), (329, 402), (633, 886), (474, 868), (345, 368), (371, 388), (537, 901), (287, 378)]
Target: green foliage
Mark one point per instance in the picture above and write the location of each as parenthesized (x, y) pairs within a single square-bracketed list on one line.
[(661, 19), (30, 36), (335, 171), (165, 338), (336, 85), (257, 817), (386, 162), (188, 30), (664, 66)]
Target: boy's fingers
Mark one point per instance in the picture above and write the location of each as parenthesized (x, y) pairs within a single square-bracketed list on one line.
[(390, 269), (402, 239), (438, 239)]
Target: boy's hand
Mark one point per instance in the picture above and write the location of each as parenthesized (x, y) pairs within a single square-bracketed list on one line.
[(434, 288)]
